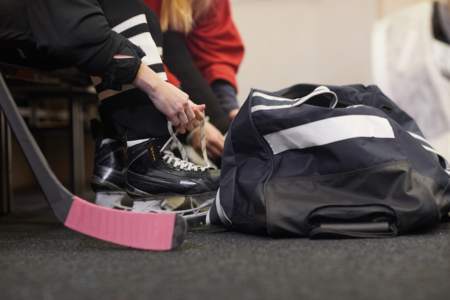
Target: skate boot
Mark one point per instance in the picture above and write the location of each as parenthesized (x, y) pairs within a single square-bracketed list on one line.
[(109, 166), (159, 181), (155, 172), (109, 176)]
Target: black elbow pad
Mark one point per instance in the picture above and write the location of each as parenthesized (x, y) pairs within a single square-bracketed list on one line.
[(122, 71)]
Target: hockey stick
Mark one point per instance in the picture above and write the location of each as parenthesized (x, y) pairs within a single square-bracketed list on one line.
[(147, 231)]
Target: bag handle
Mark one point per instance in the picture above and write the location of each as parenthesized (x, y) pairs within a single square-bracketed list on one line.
[(319, 91), (355, 230)]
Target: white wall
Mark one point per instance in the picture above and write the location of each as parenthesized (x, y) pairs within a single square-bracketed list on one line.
[(315, 41)]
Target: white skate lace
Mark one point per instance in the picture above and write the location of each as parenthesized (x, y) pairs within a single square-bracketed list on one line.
[(183, 163)]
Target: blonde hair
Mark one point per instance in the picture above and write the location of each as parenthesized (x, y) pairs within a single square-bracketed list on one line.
[(180, 15)]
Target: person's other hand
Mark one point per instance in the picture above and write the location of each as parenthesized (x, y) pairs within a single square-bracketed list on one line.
[(214, 141), (233, 113)]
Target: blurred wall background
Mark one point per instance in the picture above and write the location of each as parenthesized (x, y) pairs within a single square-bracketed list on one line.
[(387, 6), (320, 41)]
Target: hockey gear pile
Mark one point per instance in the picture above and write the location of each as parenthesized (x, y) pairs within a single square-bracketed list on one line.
[(320, 161)]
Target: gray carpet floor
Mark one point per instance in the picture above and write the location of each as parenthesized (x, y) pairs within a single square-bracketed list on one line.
[(39, 259)]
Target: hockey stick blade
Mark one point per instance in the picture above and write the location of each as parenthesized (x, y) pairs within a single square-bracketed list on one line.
[(146, 231)]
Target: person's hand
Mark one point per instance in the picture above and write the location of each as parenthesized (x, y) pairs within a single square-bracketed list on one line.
[(214, 141), (168, 99), (233, 113)]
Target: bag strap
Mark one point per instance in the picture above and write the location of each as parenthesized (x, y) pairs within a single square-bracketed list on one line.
[(320, 91)]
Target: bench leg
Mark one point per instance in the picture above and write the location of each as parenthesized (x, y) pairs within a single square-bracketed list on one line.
[(78, 157), (5, 166)]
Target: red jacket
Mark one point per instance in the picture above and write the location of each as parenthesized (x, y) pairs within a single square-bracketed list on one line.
[(214, 42)]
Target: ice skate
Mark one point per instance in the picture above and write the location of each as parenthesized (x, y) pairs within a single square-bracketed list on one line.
[(154, 178), (109, 175)]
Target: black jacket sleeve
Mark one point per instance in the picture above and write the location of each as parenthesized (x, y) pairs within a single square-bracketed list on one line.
[(76, 32)]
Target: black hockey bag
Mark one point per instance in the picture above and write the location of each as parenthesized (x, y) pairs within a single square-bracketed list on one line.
[(334, 161)]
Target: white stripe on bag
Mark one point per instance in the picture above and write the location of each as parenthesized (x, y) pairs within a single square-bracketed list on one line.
[(130, 23), (429, 149), (220, 211), (321, 90), (328, 131), (270, 97), (418, 137)]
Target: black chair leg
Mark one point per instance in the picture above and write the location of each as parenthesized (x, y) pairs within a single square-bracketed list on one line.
[(78, 157), (5, 167)]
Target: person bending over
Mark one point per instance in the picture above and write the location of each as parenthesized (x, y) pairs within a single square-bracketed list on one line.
[(115, 42)]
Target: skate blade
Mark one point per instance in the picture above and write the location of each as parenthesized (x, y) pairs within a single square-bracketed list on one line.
[(190, 208), (109, 199), (174, 202)]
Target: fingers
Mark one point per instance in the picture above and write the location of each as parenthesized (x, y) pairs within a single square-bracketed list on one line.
[(215, 145), (199, 110), (199, 115), (192, 121), (173, 118), (184, 122), (213, 151), (199, 107), (188, 118), (214, 142), (174, 104), (232, 114), (189, 111)]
